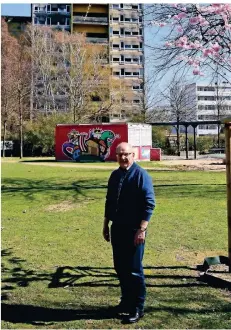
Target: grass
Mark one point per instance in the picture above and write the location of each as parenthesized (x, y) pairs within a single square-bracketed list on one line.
[(57, 271)]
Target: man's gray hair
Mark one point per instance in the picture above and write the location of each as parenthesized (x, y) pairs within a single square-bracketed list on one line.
[(124, 144)]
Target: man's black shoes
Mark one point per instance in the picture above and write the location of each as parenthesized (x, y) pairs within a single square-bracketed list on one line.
[(134, 316)]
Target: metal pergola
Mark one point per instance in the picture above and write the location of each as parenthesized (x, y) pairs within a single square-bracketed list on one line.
[(186, 124)]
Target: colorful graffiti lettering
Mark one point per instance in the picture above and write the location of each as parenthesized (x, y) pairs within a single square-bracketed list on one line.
[(96, 143)]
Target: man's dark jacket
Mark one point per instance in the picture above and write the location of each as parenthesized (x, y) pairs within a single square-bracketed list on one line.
[(130, 197)]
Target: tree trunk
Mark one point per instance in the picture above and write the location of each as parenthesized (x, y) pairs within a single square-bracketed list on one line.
[(21, 128), (4, 139)]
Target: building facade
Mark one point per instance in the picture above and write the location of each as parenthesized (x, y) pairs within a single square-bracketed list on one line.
[(117, 26), (17, 24), (211, 102)]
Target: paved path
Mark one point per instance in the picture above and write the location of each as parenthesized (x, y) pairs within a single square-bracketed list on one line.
[(205, 164)]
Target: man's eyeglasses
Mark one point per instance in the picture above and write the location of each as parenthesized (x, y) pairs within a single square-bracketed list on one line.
[(125, 154)]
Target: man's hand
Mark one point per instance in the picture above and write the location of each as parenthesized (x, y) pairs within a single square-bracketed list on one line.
[(139, 237), (106, 233)]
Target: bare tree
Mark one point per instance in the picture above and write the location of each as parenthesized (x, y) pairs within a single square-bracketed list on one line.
[(8, 87), (181, 107), (15, 81), (71, 74)]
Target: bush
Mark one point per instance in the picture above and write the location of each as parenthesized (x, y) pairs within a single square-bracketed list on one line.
[(159, 136), (39, 135), (204, 143)]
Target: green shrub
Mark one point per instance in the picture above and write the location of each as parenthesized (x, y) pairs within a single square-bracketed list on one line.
[(40, 134)]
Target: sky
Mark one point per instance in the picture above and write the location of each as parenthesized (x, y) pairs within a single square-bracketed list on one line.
[(16, 9)]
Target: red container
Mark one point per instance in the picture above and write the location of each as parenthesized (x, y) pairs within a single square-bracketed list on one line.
[(155, 154), (89, 142)]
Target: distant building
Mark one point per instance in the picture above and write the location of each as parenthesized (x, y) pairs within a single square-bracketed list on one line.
[(17, 24), (211, 102), (118, 26)]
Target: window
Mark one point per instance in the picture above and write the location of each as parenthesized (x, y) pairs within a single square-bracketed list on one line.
[(127, 73), (134, 6), (115, 59), (115, 6), (127, 19), (115, 19), (116, 73), (127, 33), (135, 46), (135, 73), (135, 33), (116, 32), (136, 101), (134, 19), (128, 59), (128, 46), (116, 46)]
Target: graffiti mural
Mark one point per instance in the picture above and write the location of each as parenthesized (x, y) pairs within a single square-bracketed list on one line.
[(95, 144)]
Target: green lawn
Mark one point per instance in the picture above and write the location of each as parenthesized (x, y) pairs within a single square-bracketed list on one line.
[(57, 271)]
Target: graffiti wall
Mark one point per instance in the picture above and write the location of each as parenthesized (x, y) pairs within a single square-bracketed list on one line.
[(89, 142)]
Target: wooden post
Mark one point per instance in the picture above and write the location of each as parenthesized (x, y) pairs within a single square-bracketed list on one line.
[(228, 180)]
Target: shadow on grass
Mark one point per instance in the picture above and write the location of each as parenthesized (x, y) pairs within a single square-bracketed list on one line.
[(29, 188), (39, 315), (43, 315), (16, 275)]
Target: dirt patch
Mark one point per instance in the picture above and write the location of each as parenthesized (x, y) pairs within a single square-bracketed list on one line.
[(67, 205), (197, 164), (61, 207)]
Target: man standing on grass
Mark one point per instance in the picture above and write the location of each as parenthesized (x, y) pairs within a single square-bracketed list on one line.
[(129, 205)]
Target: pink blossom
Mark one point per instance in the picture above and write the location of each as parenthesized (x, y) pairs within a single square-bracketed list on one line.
[(182, 15), (179, 29), (196, 72), (193, 20), (216, 47)]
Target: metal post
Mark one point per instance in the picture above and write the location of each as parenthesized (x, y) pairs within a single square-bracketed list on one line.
[(194, 142), (186, 141), (228, 180)]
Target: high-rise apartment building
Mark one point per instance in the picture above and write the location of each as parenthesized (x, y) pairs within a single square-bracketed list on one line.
[(117, 26), (51, 14), (210, 102)]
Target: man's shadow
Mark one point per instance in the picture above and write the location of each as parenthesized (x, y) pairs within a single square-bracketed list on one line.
[(41, 315)]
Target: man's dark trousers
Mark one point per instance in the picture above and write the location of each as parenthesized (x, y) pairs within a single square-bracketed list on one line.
[(128, 266)]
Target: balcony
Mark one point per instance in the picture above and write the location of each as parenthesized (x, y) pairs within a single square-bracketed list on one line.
[(90, 20), (97, 40)]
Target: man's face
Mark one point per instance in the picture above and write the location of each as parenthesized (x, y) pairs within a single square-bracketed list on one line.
[(125, 156)]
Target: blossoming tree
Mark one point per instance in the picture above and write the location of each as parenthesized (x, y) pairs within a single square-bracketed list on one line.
[(197, 35)]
